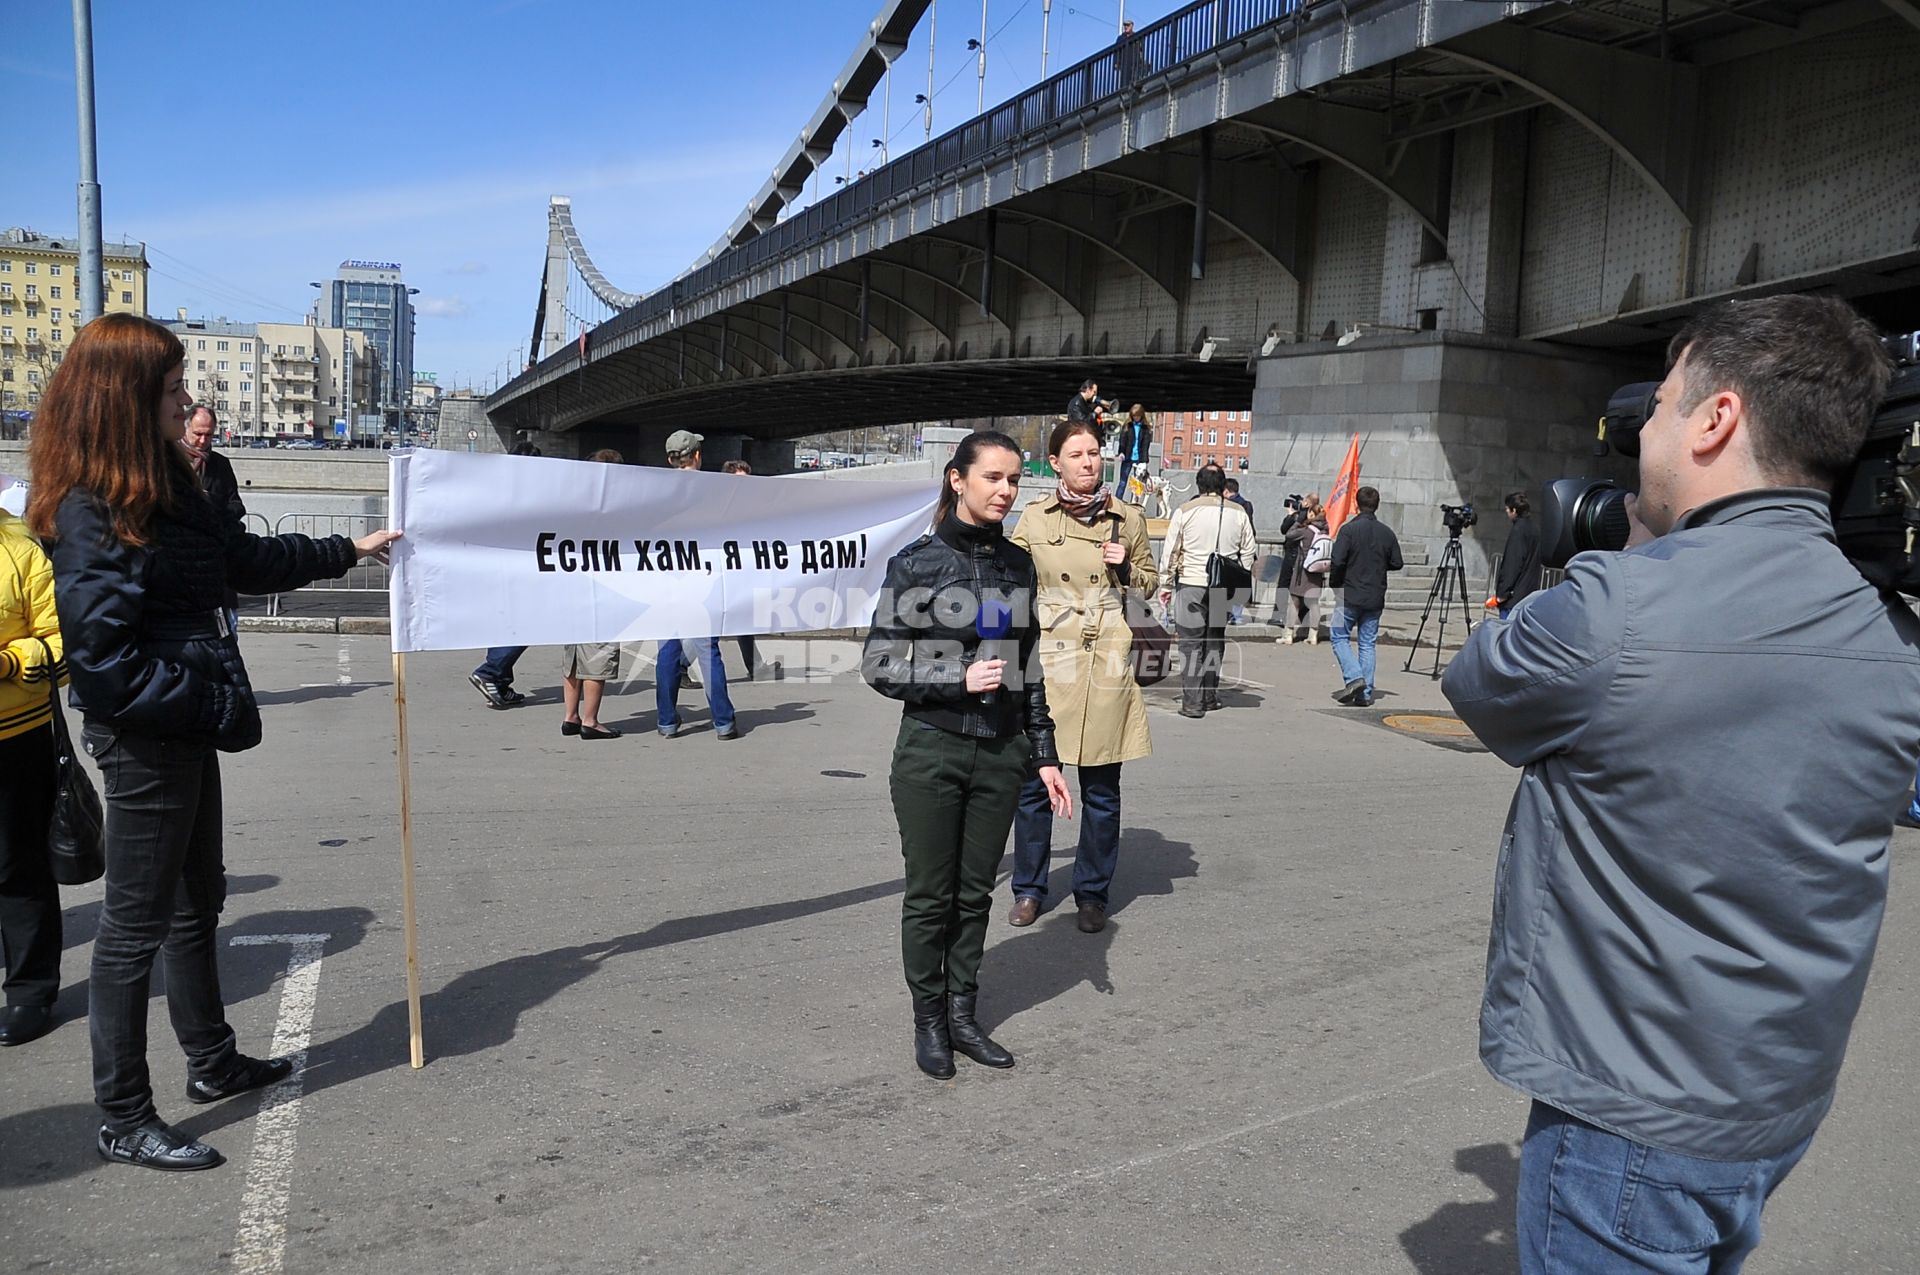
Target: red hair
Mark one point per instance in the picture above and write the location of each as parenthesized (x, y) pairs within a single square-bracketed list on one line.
[(98, 428)]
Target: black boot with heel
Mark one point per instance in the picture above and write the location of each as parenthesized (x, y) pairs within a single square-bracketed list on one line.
[(967, 1037), (932, 1048)]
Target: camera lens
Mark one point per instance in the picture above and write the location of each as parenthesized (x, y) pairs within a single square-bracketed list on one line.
[(1600, 520)]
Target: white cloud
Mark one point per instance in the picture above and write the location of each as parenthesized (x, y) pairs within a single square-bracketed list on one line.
[(443, 307), (468, 267)]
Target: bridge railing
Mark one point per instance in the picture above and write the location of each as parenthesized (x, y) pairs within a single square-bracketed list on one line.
[(1180, 37)]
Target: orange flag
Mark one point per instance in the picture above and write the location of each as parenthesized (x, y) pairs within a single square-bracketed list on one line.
[(1346, 484)]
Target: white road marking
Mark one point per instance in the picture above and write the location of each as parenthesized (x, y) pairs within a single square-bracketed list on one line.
[(346, 669), (260, 1248)]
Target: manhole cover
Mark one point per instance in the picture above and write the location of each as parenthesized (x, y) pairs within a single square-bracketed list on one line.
[(1442, 730), (1427, 724)]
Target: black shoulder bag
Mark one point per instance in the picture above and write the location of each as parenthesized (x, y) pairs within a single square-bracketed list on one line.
[(76, 835), (1223, 571)]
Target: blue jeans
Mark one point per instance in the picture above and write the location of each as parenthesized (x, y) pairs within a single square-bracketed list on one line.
[(1345, 620), (1126, 471), (498, 666), (1595, 1203), (666, 690), (1099, 850)]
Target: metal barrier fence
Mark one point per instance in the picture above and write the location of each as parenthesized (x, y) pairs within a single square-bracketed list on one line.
[(365, 577)]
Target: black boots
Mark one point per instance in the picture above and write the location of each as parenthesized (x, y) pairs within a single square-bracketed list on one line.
[(967, 1036), (941, 1026), (932, 1049)]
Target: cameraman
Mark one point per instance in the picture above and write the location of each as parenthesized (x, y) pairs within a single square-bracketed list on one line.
[(1688, 894), (1520, 561)]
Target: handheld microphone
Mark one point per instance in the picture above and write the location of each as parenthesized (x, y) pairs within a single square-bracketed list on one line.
[(992, 624)]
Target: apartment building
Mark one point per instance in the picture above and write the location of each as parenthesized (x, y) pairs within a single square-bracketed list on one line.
[(279, 380), (40, 304)]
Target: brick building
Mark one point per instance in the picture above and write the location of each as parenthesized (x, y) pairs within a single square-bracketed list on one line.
[(1189, 440)]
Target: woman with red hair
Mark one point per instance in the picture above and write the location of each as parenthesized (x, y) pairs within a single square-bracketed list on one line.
[(141, 564)]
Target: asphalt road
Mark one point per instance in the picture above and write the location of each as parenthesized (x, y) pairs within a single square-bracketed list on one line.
[(665, 1024)]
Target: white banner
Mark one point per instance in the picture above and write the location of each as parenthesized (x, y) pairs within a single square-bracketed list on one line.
[(531, 551)]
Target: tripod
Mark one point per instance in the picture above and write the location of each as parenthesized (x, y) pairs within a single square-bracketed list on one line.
[(1452, 575)]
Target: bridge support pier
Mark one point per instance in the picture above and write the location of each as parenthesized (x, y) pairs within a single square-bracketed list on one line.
[(1443, 417)]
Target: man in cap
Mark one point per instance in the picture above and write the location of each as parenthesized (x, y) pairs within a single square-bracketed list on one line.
[(683, 452)]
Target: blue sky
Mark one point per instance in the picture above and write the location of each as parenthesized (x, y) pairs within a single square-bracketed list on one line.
[(431, 132)]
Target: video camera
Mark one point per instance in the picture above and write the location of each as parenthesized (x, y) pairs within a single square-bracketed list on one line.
[(1293, 501), (1875, 505), (1458, 518)]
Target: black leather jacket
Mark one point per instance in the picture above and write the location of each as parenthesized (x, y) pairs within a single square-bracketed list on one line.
[(147, 649), (924, 636)]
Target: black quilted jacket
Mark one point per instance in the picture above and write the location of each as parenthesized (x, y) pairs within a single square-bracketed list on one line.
[(924, 635), (145, 643)]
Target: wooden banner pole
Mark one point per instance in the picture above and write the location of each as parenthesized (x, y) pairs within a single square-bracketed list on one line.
[(414, 1040)]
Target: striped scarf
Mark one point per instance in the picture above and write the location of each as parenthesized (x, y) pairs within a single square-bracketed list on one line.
[(1086, 508)]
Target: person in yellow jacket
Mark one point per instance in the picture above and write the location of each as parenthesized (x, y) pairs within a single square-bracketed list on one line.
[(30, 663), (1089, 551)]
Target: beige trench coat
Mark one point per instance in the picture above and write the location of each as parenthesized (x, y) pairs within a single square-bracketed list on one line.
[(1098, 715)]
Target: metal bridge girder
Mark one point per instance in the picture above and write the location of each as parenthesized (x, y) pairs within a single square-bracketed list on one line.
[(898, 298), (1090, 216), (1410, 172), (1265, 214), (891, 327), (1640, 106), (947, 264), (1042, 253), (781, 324), (812, 291)]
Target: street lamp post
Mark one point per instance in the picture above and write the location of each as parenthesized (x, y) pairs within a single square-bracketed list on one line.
[(980, 93), (92, 287)]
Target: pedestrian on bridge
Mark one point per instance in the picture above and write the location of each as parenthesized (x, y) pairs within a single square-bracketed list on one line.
[(141, 564), (974, 724), (1092, 558)]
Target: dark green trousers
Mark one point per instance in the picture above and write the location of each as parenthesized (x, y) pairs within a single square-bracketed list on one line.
[(954, 797)]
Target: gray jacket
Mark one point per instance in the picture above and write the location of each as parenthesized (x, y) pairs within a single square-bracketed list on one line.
[(1716, 728)]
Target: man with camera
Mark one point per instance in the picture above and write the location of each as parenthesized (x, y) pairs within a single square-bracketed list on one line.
[(1715, 726)]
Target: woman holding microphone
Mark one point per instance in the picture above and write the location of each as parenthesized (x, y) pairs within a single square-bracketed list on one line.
[(973, 728), (142, 561), (1090, 550)]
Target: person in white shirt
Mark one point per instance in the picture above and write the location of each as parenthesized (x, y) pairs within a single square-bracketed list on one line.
[(1206, 525)]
